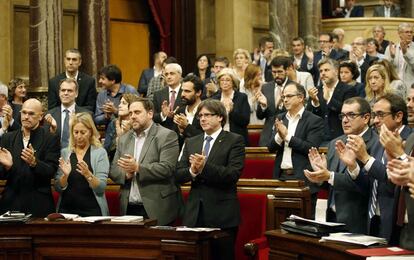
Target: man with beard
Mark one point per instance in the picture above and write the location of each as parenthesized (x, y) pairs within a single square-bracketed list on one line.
[(28, 161), (270, 101), (144, 164), (185, 118), (326, 100)]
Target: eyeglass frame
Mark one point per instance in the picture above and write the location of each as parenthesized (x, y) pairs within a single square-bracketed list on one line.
[(380, 114), (206, 115), (350, 116)]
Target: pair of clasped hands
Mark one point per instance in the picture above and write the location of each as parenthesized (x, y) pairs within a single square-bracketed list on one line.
[(27, 155)]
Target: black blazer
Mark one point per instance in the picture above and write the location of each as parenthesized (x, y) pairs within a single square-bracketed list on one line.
[(191, 130), (239, 117), (215, 188), (86, 94), (269, 113), (368, 60), (303, 64), (28, 189), (309, 133), (384, 44), (144, 80), (159, 97), (330, 112)]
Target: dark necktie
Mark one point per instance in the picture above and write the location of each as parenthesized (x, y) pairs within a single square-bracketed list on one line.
[(172, 100), (65, 130), (206, 149)]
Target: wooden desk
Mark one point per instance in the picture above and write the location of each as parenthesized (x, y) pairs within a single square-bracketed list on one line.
[(285, 245), (40, 239)]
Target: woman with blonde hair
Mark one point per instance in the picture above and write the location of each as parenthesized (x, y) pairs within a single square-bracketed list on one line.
[(83, 170), (235, 102), (396, 83), (252, 85), (377, 83), (241, 58)]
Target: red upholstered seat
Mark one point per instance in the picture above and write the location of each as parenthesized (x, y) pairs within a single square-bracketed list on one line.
[(258, 167), (254, 137)]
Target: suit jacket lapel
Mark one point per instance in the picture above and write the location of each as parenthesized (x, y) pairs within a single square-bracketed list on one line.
[(147, 143)]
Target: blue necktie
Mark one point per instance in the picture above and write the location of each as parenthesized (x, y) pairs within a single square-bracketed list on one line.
[(207, 145), (65, 130), (374, 193)]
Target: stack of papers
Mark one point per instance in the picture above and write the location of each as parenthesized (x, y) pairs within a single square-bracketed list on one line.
[(14, 217), (127, 218), (354, 239), (93, 219)]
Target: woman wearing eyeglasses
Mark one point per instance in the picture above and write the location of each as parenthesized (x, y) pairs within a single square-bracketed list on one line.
[(235, 102)]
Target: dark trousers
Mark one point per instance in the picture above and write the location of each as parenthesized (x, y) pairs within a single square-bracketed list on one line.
[(137, 210), (314, 198), (221, 248)]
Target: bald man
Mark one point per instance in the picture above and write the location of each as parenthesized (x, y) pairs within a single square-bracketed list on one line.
[(28, 161)]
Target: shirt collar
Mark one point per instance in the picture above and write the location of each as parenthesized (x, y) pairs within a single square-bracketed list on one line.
[(191, 112), (363, 132), (143, 133), (121, 90), (71, 108), (215, 134), (76, 76), (177, 89), (299, 114)]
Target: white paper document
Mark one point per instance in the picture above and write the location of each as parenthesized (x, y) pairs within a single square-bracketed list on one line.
[(93, 219), (322, 223), (354, 239), (127, 218)]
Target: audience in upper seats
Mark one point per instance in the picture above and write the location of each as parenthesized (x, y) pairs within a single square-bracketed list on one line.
[(203, 67), (252, 85), (158, 82), (87, 84), (326, 100), (410, 105), (83, 170), (144, 166), (347, 202), (401, 55), (28, 162), (360, 57), (241, 58), (235, 102), (378, 33), (295, 132), (300, 60), (57, 119), (388, 9), (6, 112), (349, 10), (107, 103), (372, 49), (341, 35), (168, 100), (213, 162), (150, 73), (326, 51), (348, 73), (211, 86), (262, 56), (185, 119), (270, 101), (17, 95), (378, 84), (336, 46), (118, 126), (395, 82)]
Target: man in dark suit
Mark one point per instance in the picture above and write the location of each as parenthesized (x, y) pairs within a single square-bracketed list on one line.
[(213, 162), (347, 202), (326, 51), (388, 9), (298, 51), (150, 73), (295, 132), (360, 57), (269, 99), (378, 33), (186, 121), (262, 56), (87, 85), (349, 10), (326, 100), (28, 161), (168, 100), (68, 91), (144, 165)]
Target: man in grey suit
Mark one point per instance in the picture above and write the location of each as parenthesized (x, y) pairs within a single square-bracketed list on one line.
[(57, 118), (388, 9), (347, 203), (144, 165)]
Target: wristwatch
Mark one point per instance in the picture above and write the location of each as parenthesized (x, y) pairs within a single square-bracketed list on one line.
[(403, 157)]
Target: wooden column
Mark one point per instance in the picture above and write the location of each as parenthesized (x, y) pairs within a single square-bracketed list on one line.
[(310, 15), (282, 23), (6, 46), (93, 34), (45, 60)]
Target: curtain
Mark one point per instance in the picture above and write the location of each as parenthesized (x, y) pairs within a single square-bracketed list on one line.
[(162, 13)]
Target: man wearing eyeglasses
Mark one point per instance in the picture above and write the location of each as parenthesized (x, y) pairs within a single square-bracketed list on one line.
[(294, 133), (213, 162), (347, 202)]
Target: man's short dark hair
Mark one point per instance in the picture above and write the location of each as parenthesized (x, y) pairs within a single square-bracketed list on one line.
[(352, 67), (198, 84), (298, 39), (223, 59), (282, 61), (397, 104), (111, 72), (328, 34), (263, 40), (215, 107), (146, 103), (299, 88), (170, 60), (70, 80), (364, 107)]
